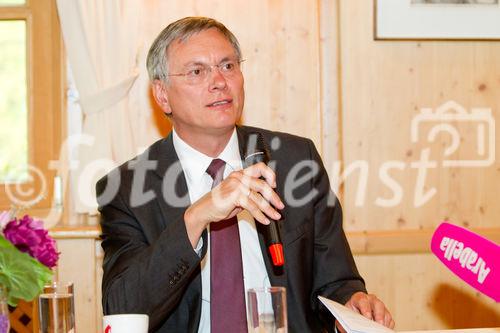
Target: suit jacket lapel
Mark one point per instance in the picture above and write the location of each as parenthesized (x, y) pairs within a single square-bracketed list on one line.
[(173, 200), (276, 275), (172, 186)]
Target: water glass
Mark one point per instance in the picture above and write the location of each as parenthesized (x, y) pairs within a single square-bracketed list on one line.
[(267, 310), (56, 308)]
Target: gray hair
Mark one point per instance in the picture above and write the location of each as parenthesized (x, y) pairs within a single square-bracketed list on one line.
[(157, 62)]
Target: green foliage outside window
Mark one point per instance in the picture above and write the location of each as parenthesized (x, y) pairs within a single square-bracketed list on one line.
[(13, 102)]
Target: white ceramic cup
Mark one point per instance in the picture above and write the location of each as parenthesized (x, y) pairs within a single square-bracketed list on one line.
[(125, 323)]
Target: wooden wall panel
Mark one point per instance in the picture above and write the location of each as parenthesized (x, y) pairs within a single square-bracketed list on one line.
[(422, 294), (77, 264), (384, 85), (381, 87), (279, 40), (330, 72), (98, 285)]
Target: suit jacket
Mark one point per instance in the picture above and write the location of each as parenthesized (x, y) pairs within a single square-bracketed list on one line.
[(150, 266)]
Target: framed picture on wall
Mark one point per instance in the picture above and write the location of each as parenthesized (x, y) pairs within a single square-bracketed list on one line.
[(437, 19)]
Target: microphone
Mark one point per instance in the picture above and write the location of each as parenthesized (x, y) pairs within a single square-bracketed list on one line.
[(258, 152), (473, 258)]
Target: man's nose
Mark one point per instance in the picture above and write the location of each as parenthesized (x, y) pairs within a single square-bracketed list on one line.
[(216, 79)]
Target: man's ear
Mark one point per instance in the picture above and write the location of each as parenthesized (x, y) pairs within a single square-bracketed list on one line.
[(161, 96)]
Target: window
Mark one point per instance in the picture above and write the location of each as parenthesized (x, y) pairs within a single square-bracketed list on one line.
[(31, 100), (14, 129)]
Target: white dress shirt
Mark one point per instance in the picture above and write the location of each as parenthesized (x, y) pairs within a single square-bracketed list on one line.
[(194, 164)]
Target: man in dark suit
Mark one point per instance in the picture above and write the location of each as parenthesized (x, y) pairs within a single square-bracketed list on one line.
[(161, 211)]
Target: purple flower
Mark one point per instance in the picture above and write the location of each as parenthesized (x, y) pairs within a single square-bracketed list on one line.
[(29, 236)]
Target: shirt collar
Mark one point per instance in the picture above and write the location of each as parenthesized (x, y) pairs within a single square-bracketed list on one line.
[(195, 163)]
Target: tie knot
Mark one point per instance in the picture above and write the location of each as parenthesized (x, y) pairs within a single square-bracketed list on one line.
[(216, 169)]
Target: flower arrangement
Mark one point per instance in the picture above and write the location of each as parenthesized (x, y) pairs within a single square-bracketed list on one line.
[(27, 255)]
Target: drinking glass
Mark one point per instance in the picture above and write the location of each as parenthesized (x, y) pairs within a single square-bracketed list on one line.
[(56, 308), (267, 310)]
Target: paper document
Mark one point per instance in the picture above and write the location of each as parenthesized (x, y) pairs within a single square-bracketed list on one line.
[(351, 321)]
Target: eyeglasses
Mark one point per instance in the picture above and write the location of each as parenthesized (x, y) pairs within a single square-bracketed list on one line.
[(198, 73)]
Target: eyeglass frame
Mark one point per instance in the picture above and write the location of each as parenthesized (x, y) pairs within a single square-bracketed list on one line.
[(208, 69)]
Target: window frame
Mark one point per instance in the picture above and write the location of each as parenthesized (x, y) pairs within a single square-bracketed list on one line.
[(45, 75)]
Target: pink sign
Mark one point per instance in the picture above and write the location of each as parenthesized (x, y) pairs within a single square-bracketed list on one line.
[(475, 259)]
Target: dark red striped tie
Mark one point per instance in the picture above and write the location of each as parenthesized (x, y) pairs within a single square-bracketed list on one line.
[(227, 293)]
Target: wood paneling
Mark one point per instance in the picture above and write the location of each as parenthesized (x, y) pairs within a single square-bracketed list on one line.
[(422, 294), (384, 85), (279, 40), (77, 264), (402, 241), (98, 286)]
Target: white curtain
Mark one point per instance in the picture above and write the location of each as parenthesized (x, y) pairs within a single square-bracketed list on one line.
[(105, 51)]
